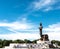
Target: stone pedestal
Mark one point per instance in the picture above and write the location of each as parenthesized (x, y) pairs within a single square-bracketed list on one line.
[(44, 37)]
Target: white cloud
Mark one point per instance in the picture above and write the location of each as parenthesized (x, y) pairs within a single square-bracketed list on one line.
[(20, 30), (53, 31), (45, 5), (47, 9), (53, 27), (18, 25), (28, 30), (54, 35), (22, 36), (42, 3)]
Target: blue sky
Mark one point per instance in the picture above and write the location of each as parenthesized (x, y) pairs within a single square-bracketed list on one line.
[(20, 19)]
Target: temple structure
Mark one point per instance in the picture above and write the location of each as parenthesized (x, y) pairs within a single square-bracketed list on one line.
[(44, 39)]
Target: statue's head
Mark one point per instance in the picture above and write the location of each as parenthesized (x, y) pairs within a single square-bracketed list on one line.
[(40, 24)]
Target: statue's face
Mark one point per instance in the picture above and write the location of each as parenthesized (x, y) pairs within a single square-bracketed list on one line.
[(40, 24)]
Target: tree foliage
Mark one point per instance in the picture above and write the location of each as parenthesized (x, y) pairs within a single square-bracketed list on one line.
[(4, 43), (55, 41)]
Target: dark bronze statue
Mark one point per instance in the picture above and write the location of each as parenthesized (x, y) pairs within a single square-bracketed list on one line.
[(43, 36), (40, 28)]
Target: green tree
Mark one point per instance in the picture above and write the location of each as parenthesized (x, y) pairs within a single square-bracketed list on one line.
[(34, 41), (27, 41), (18, 41), (6, 43), (55, 41), (1, 43)]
